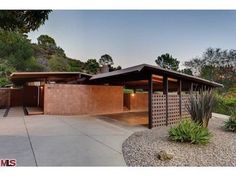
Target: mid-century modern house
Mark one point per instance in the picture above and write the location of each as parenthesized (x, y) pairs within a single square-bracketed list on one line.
[(164, 92)]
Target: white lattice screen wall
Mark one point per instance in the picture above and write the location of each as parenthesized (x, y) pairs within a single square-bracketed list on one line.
[(159, 109)]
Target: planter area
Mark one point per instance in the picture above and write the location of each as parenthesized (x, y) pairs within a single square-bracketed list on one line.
[(144, 148)]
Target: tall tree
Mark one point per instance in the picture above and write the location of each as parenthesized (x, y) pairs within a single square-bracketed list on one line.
[(114, 68), (195, 65), (217, 65), (48, 43), (187, 71), (46, 40), (167, 61), (91, 66), (22, 21), (16, 51), (106, 60)]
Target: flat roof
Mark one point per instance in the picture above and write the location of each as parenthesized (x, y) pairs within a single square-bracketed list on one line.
[(21, 77), (139, 72), (34, 74), (146, 68)]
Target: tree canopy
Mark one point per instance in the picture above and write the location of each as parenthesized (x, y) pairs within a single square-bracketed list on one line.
[(46, 40), (16, 51), (106, 60), (186, 71), (22, 21), (92, 66), (217, 65), (168, 62)]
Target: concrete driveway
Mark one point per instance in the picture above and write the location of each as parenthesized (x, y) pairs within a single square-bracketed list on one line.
[(61, 140)]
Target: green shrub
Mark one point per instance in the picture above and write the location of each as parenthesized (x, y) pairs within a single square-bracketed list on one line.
[(189, 131), (4, 81), (224, 103), (58, 63), (200, 107), (128, 91), (230, 124)]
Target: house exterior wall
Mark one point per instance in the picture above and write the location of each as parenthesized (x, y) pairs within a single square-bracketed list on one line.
[(30, 96), (137, 101), (16, 97), (5, 95), (68, 99)]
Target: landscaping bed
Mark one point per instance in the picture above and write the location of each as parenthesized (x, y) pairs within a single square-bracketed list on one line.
[(142, 148)]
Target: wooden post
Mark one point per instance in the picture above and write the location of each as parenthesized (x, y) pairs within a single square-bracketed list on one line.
[(191, 87), (150, 92), (165, 91), (180, 97)]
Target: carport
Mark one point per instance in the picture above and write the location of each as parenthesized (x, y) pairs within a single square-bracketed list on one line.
[(162, 93), (168, 90)]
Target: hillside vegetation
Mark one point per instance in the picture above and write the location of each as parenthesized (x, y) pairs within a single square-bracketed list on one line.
[(17, 53)]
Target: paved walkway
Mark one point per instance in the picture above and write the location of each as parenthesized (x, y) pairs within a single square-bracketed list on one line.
[(2, 111), (16, 112), (220, 116), (61, 140)]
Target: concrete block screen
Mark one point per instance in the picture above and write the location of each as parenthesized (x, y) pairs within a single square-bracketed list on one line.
[(68, 99)]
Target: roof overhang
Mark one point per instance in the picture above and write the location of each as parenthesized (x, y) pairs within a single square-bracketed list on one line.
[(19, 78), (141, 72)]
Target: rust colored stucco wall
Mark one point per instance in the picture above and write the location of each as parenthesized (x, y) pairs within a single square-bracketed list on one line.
[(68, 99), (30, 96), (5, 95), (16, 97), (137, 101)]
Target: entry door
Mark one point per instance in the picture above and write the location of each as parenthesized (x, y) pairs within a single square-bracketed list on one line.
[(31, 96)]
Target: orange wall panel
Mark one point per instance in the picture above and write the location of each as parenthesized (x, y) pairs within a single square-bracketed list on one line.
[(68, 99), (5, 96), (137, 101), (16, 97)]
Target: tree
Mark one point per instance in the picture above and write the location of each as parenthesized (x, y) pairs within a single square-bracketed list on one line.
[(5, 71), (114, 68), (75, 65), (187, 71), (217, 65), (46, 41), (106, 60), (50, 45), (167, 61), (22, 21), (195, 64), (16, 51), (91, 66), (58, 63)]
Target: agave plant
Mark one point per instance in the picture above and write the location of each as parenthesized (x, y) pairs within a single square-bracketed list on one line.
[(230, 124), (200, 107)]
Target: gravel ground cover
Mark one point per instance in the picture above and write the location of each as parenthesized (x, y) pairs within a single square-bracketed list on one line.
[(141, 148)]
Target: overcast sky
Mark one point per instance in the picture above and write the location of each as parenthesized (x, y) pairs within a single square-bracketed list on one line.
[(135, 37)]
